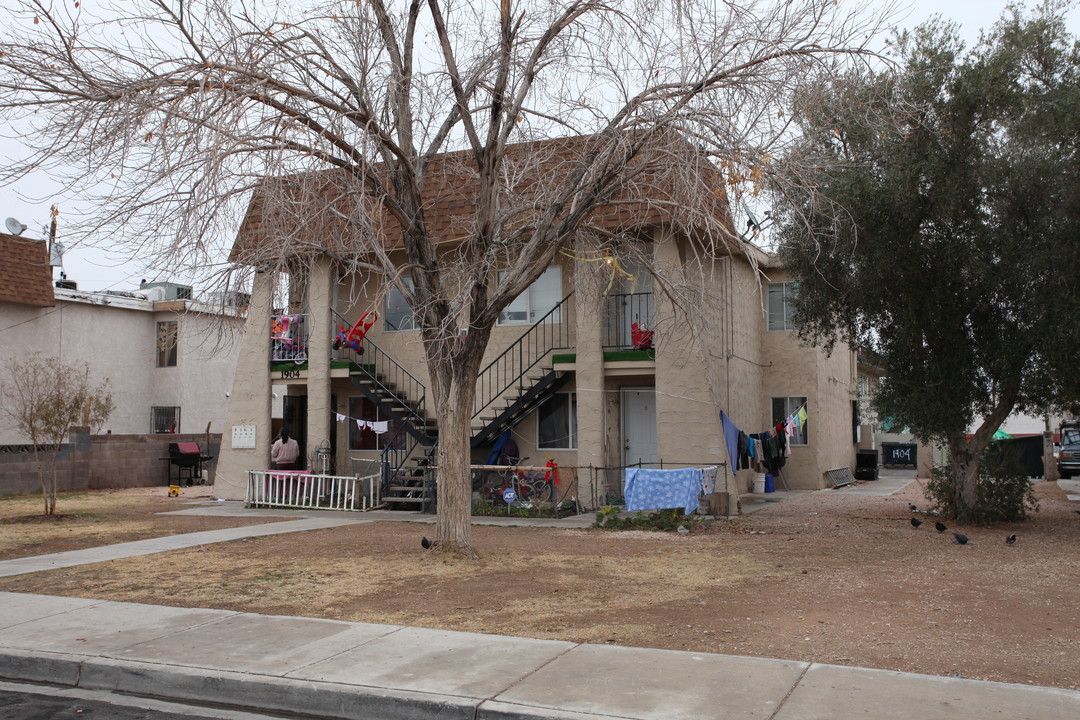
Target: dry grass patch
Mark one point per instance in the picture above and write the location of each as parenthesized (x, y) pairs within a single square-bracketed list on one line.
[(96, 518)]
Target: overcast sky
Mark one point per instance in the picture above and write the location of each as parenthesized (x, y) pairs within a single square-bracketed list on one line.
[(95, 269)]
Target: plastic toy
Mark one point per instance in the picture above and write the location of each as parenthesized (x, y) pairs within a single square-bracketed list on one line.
[(641, 336), (354, 338)]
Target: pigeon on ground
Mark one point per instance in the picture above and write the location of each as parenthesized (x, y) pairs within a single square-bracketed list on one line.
[(961, 538), (915, 522), (941, 527), (425, 543), (1011, 540), (683, 530), (912, 507)]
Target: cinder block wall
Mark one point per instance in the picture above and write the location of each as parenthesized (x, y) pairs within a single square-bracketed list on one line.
[(100, 461)]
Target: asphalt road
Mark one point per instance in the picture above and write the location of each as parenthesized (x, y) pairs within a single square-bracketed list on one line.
[(41, 702)]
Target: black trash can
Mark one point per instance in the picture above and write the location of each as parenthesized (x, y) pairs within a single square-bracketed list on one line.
[(866, 465)]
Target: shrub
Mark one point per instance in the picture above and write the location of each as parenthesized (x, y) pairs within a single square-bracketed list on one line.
[(1003, 492), (663, 520)]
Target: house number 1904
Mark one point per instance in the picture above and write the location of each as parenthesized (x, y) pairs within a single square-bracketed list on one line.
[(286, 374)]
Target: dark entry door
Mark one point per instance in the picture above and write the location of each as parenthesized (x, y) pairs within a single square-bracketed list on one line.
[(294, 414)]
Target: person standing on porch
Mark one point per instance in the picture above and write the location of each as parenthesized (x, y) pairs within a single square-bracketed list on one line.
[(284, 452)]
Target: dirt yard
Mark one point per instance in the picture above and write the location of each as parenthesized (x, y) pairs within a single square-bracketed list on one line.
[(823, 577), (102, 517)]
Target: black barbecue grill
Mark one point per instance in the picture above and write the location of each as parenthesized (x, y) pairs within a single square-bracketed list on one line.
[(187, 458)]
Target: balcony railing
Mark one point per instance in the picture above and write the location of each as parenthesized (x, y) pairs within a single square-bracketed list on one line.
[(628, 323), (554, 331), (289, 335)]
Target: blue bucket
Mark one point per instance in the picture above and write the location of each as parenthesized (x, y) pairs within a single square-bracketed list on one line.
[(769, 486)]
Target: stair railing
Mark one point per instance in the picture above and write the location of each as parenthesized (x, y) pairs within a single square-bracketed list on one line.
[(407, 392), (549, 333), (391, 377)]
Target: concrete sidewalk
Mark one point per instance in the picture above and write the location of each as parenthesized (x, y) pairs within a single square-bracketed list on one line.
[(331, 669)]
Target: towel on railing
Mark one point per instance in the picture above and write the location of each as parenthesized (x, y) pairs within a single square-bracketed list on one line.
[(652, 489)]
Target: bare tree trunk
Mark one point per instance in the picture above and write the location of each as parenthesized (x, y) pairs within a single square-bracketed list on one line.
[(454, 386), (964, 462), (453, 525), (964, 453)]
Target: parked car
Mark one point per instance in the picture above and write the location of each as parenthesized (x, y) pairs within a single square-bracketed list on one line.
[(1068, 458)]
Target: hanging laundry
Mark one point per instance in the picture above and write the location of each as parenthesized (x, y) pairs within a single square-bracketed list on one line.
[(341, 418), (708, 479), (380, 426), (802, 415), (731, 440), (652, 489), (744, 459), (751, 447)]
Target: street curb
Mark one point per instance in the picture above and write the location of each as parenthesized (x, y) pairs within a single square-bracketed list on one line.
[(245, 691)]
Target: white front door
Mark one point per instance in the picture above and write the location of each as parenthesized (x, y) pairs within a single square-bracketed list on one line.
[(639, 426)]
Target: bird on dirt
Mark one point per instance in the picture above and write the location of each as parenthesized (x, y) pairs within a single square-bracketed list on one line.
[(915, 522), (683, 530), (961, 538), (425, 543), (912, 507), (1011, 540), (941, 527)]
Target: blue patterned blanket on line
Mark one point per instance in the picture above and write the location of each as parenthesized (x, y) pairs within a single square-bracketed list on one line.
[(651, 489)]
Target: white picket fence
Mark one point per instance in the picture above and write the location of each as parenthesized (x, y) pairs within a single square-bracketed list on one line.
[(300, 489)]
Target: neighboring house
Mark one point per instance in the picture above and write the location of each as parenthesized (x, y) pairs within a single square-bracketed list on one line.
[(588, 396), (169, 360)]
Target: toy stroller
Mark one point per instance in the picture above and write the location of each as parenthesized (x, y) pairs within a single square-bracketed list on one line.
[(354, 338)]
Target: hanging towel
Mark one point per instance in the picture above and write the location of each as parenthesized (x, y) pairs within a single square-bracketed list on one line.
[(751, 447), (650, 489), (802, 415), (708, 479), (731, 439), (380, 427)]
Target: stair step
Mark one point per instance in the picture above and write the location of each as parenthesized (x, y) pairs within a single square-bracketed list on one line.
[(405, 488)]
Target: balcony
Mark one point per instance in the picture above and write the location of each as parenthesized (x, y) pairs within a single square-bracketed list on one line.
[(628, 322), (289, 338)]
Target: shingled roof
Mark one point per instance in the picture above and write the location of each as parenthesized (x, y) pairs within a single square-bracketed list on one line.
[(328, 211), (25, 273)]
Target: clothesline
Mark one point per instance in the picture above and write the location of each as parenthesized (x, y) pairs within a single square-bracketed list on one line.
[(376, 426), (770, 447)]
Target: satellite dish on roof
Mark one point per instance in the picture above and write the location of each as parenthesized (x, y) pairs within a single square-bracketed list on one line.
[(14, 226)]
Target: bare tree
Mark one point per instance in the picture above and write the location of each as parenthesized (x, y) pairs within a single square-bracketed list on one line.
[(45, 398), (177, 110)]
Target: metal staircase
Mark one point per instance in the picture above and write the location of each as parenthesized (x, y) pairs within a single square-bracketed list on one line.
[(523, 376), (401, 397), (507, 389)]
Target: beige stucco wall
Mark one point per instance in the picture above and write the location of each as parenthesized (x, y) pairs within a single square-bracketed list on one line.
[(829, 384), (116, 337)]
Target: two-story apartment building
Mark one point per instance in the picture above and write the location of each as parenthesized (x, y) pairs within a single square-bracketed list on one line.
[(571, 367)]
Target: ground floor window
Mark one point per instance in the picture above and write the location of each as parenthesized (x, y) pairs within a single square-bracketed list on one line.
[(361, 435), (164, 420), (556, 427), (785, 407)]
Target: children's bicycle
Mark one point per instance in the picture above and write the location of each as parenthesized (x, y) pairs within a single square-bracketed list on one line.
[(531, 486)]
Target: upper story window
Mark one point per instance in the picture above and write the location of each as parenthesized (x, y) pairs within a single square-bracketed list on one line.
[(397, 314), (166, 343), (536, 302), (780, 296)]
